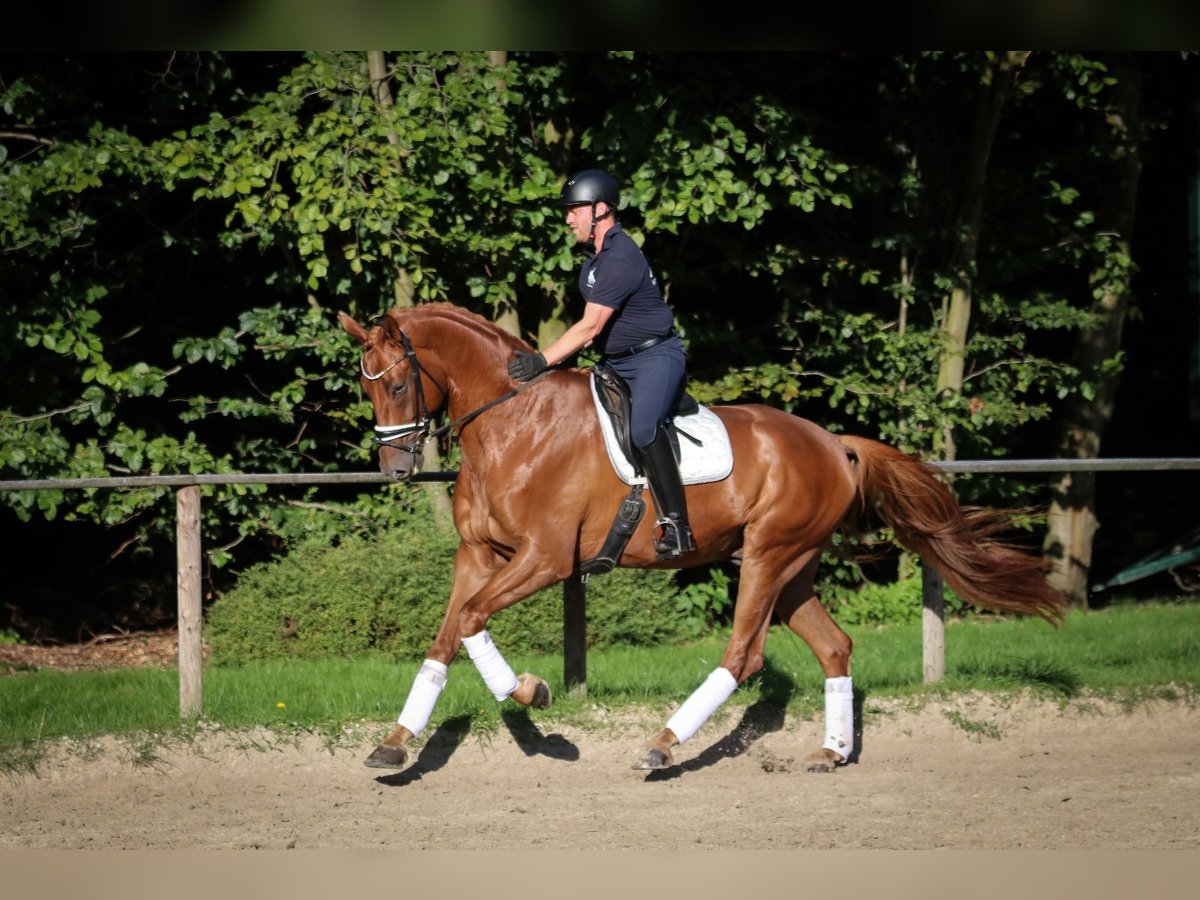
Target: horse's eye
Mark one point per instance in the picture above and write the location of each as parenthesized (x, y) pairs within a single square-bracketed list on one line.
[(399, 389)]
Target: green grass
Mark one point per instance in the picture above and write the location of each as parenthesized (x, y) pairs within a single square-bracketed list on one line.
[(1128, 652)]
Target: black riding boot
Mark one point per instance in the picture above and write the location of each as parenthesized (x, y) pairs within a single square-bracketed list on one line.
[(666, 487)]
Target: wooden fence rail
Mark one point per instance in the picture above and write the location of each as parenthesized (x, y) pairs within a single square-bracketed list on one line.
[(189, 552)]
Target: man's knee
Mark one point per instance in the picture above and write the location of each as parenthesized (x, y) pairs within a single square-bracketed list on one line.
[(642, 435)]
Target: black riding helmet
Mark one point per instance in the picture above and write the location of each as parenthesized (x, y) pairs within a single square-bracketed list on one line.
[(590, 186)]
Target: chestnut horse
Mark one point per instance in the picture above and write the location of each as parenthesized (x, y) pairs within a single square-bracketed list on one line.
[(536, 494)]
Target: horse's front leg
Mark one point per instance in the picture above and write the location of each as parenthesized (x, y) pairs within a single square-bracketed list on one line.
[(392, 751), (525, 574), (497, 585), (473, 565)]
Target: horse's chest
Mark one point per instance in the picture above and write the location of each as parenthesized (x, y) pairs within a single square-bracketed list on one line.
[(474, 518)]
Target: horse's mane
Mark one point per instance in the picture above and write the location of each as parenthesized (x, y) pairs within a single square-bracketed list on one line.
[(444, 310)]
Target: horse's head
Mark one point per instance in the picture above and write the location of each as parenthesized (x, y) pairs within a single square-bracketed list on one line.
[(391, 376)]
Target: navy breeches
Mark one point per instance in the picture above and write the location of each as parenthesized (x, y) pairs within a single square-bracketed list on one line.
[(656, 381)]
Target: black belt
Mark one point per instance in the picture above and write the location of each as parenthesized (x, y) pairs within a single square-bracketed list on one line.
[(644, 345)]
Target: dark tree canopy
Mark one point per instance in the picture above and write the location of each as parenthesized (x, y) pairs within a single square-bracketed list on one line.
[(178, 230)]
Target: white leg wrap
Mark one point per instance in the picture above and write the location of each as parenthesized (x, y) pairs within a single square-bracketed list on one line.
[(497, 674), (702, 703), (426, 689), (839, 716)]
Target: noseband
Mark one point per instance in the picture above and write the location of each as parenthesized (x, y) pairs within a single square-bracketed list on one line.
[(392, 435)]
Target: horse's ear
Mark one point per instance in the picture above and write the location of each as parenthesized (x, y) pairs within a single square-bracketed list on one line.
[(353, 329), (391, 327)]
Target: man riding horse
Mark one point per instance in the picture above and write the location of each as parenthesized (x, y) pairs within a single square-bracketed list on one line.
[(625, 314)]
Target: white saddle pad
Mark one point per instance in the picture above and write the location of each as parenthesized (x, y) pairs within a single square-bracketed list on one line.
[(709, 460)]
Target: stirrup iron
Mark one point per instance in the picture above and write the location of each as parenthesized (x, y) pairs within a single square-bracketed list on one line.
[(674, 539)]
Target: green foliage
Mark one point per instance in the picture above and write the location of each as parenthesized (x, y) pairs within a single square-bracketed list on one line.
[(626, 607), (410, 184), (322, 601), (170, 278), (862, 351), (733, 172), (703, 604), (389, 594), (894, 603)]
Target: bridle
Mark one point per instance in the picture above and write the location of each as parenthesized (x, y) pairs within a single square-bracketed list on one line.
[(392, 435), (420, 430)]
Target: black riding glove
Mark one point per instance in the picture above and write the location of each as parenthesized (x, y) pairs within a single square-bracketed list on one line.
[(526, 365)]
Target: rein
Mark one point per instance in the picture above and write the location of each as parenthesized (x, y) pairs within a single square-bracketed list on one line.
[(503, 398)]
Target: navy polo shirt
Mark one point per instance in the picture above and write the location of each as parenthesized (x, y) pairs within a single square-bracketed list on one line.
[(620, 278)]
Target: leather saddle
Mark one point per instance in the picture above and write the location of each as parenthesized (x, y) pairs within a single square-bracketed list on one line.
[(613, 393)]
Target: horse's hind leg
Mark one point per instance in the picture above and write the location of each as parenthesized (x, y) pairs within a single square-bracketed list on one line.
[(799, 607), (757, 591)]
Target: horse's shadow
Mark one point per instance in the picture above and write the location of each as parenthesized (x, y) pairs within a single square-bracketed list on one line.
[(531, 740), (762, 717), (435, 754), (447, 738)]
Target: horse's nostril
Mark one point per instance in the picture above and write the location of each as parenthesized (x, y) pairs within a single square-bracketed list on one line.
[(396, 473)]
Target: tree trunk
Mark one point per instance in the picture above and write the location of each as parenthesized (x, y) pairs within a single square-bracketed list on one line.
[(506, 317), (404, 293), (553, 322), (995, 88), (1072, 518)]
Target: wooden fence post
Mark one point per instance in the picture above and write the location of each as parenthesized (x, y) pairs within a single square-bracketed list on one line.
[(575, 635), (191, 645), (933, 625)]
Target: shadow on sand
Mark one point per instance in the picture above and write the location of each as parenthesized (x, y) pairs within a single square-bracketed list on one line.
[(531, 740), (451, 733)]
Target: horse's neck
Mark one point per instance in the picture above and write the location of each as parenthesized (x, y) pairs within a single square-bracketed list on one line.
[(475, 367)]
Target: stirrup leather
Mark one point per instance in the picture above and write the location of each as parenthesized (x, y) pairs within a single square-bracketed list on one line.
[(629, 514)]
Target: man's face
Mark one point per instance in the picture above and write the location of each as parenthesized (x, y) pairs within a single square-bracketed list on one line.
[(579, 219)]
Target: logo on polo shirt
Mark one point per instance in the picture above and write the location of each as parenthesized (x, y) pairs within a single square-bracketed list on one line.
[(591, 279)]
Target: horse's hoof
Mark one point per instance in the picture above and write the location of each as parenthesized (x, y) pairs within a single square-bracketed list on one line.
[(541, 697), (387, 758), (654, 759), (823, 761)]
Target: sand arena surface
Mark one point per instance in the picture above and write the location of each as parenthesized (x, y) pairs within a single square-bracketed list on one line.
[(974, 772)]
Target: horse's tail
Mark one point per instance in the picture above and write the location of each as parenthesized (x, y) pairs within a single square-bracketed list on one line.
[(959, 542)]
